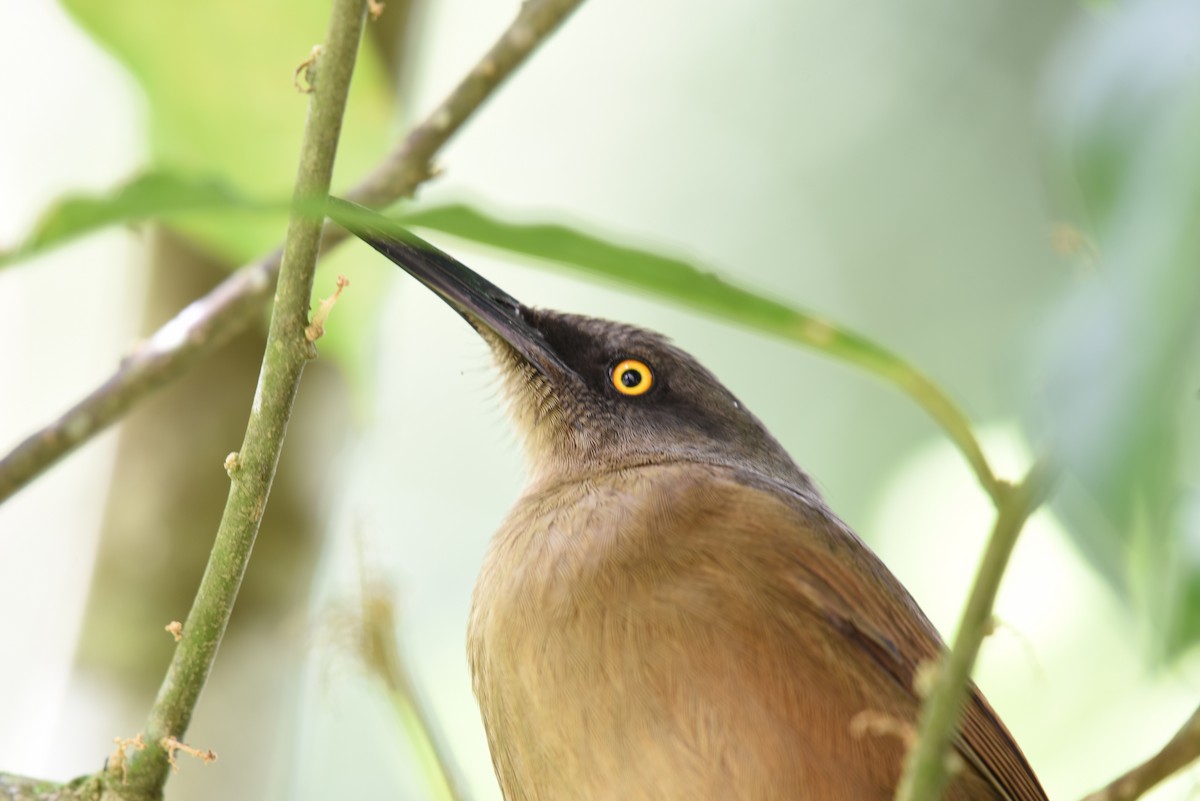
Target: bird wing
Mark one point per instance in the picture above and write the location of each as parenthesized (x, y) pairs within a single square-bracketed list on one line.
[(874, 611)]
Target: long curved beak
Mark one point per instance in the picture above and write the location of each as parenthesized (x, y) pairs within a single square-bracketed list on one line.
[(479, 301)]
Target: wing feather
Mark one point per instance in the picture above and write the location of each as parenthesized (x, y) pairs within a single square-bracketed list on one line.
[(864, 601)]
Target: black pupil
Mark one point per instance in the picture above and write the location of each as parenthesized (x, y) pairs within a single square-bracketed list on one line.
[(631, 378)]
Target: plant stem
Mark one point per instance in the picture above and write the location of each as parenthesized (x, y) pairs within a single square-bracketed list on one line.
[(20, 788), (954, 423), (211, 321), (381, 654), (287, 352), (1182, 750), (409, 166), (925, 774)]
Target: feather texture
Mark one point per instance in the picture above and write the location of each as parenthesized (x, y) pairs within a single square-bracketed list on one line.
[(693, 631)]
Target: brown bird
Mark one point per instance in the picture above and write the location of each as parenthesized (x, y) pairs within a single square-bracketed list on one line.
[(671, 611)]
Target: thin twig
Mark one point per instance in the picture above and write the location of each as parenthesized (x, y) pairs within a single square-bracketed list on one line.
[(316, 328), (952, 420), (1182, 750), (382, 655), (23, 788), (925, 775), (211, 321), (287, 352)]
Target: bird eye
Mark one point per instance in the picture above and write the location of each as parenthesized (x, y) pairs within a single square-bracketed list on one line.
[(632, 377)]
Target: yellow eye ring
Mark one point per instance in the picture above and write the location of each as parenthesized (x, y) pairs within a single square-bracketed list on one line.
[(632, 377)]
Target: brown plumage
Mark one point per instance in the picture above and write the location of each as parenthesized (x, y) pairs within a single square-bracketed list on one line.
[(671, 611)]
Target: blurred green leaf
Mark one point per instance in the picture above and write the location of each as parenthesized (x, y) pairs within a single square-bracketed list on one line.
[(220, 101), (152, 195), (155, 195), (180, 200), (1121, 381)]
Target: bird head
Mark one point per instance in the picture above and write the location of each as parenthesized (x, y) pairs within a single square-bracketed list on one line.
[(588, 395)]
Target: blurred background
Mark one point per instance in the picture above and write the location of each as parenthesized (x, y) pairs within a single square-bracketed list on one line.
[(1005, 193)]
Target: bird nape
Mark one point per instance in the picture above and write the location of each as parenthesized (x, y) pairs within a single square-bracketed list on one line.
[(670, 610)]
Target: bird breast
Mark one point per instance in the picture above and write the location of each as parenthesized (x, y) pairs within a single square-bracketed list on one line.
[(642, 634)]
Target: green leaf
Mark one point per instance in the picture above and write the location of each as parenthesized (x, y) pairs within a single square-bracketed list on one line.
[(159, 194), (1122, 378), (217, 78), (181, 200), (668, 277), (153, 195), (682, 282)]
